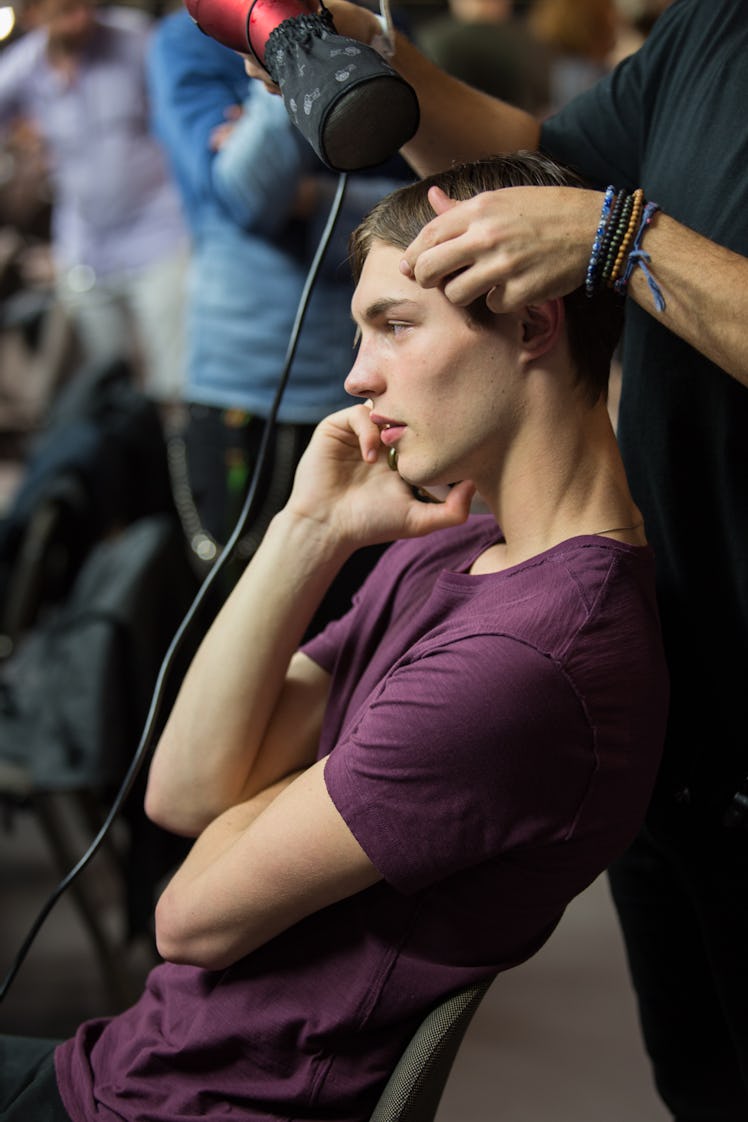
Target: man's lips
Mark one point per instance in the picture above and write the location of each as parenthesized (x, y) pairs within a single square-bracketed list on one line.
[(389, 431), (390, 435)]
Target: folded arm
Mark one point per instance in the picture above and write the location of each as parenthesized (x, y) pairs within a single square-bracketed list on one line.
[(258, 869), (250, 710), (235, 763)]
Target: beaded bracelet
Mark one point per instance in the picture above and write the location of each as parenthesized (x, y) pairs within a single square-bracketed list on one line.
[(590, 283), (637, 205), (618, 235), (637, 256)]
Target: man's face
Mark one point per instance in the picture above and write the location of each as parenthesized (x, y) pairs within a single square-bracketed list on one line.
[(68, 22), (444, 391)]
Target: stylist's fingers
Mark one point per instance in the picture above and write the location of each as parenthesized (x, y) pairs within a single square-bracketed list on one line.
[(496, 299), (440, 200), (254, 70), (433, 250), (466, 249)]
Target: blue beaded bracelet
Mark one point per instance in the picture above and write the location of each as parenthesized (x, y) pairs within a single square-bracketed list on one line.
[(590, 283)]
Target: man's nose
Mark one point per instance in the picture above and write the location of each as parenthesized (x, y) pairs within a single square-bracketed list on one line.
[(364, 378)]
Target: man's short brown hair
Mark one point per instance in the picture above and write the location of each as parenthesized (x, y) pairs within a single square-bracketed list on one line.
[(593, 324)]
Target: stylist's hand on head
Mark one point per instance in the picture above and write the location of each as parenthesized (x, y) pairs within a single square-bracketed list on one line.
[(519, 245), (344, 484)]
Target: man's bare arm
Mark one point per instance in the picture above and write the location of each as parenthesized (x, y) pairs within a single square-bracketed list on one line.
[(705, 288), (258, 869), (457, 123)]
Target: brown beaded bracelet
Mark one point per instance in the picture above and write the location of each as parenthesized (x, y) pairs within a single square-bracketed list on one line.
[(629, 235), (616, 240)]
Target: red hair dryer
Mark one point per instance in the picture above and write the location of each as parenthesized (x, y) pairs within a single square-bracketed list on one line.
[(352, 107)]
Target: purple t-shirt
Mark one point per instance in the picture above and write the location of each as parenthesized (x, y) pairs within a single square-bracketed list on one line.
[(493, 743)]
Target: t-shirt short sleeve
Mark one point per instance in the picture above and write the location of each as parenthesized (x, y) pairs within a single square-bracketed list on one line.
[(446, 766)]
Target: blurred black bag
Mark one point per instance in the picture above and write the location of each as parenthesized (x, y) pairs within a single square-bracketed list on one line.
[(95, 580), (98, 463), (75, 693)]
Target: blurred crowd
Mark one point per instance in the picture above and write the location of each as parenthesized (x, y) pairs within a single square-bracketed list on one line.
[(93, 232)]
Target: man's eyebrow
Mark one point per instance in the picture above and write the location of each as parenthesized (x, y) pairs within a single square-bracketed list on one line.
[(386, 304), (379, 308), (376, 310)]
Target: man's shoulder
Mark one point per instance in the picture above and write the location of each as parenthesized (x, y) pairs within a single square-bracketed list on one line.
[(125, 19), (22, 56)]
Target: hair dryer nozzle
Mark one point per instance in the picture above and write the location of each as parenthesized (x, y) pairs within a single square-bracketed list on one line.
[(354, 109)]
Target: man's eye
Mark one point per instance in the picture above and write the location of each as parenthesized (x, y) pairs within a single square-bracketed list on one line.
[(396, 327)]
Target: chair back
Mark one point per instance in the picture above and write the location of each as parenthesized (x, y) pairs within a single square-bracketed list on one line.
[(414, 1090)]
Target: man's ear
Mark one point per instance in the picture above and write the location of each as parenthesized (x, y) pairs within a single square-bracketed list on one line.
[(541, 327)]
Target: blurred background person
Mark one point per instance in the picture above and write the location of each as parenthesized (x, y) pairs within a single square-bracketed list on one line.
[(486, 44), (257, 199), (636, 20), (77, 75), (581, 36), (34, 338)]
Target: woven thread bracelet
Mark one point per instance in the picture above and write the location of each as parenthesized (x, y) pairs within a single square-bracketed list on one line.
[(637, 256)]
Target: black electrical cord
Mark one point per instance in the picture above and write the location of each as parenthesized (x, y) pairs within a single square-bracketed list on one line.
[(244, 517)]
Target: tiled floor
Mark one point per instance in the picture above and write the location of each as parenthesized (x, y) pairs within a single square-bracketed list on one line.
[(555, 1040)]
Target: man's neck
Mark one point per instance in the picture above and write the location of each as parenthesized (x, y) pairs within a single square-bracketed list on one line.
[(560, 487), (65, 57)]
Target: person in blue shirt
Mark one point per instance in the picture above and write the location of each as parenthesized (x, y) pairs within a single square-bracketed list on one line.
[(257, 200)]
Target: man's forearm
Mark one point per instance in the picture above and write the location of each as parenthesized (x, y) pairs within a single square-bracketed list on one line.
[(203, 762), (457, 123), (705, 288)]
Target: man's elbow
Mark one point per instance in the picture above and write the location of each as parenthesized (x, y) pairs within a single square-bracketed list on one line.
[(180, 940), (172, 814)]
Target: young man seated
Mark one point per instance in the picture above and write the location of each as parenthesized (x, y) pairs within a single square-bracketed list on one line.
[(408, 803)]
